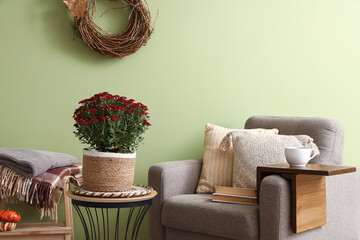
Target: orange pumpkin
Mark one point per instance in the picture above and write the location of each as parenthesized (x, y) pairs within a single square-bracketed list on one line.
[(10, 216), (8, 220)]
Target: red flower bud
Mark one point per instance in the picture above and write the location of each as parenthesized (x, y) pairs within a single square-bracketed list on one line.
[(119, 108), (146, 123)]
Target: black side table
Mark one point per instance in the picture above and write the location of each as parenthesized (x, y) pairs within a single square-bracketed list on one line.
[(95, 214)]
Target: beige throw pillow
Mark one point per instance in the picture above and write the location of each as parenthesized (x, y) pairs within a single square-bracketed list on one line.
[(217, 169), (253, 149)]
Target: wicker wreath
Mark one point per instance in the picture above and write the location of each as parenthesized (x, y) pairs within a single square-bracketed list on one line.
[(136, 34)]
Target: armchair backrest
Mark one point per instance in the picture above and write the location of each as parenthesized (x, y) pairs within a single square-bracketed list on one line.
[(328, 134)]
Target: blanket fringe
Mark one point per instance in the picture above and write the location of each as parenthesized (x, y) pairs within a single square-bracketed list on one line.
[(35, 193)]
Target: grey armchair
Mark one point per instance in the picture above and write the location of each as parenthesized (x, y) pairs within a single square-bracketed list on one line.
[(178, 213)]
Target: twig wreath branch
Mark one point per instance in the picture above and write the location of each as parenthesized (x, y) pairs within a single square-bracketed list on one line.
[(136, 34)]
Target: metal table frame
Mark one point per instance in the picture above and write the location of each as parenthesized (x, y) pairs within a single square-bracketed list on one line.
[(95, 215)]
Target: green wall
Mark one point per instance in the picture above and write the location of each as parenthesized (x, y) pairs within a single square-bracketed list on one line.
[(207, 61)]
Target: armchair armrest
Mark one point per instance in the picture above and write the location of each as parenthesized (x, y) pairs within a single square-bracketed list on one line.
[(342, 209), (170, 179)]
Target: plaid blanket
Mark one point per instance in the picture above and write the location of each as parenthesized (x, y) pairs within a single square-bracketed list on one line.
[(43, 191)]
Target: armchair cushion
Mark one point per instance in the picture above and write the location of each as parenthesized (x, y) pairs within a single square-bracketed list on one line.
[(217, 167), (253, 149), (197, 213)]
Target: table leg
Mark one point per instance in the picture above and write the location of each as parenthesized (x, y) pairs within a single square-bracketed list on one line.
[(91, 223), (93, 227), (308, 199), (308, 202), (83, 222), (131, 211), (117, 224), (140, 216)]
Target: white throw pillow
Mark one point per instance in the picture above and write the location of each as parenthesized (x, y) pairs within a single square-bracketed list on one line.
[(252, 149), (217, 169)]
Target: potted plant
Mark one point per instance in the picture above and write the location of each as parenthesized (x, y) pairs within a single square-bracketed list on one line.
[(113, 126)]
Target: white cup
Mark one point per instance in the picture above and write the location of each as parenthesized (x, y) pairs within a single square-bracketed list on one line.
[(299, 156)]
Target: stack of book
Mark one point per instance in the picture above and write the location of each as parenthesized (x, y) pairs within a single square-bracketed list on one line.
[(235, 195)]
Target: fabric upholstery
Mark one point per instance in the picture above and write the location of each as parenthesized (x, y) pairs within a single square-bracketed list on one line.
[(252, 149), (170, 179), (217, 167), (342, 209), (198, 213), (175, 234), (328, 134), (177, 178)]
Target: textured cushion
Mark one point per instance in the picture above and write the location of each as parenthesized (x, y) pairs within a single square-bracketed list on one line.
[(197, 213), (252, 149), (328, 134), (217, 167)]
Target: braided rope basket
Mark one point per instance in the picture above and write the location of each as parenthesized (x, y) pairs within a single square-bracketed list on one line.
[(108, 172), (135, 191)]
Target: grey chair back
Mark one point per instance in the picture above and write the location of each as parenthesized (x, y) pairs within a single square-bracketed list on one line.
[(328, 134)]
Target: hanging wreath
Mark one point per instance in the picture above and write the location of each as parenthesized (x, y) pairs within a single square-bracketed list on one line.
[(136, 34)]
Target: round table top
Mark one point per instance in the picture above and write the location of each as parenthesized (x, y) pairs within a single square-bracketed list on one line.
[(111, 200)]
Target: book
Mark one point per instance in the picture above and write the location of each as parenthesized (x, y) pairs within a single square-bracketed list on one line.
[(233, 199), (235, 195), (246, 192)]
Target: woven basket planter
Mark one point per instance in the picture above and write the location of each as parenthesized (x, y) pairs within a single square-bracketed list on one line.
[(108, 172)]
